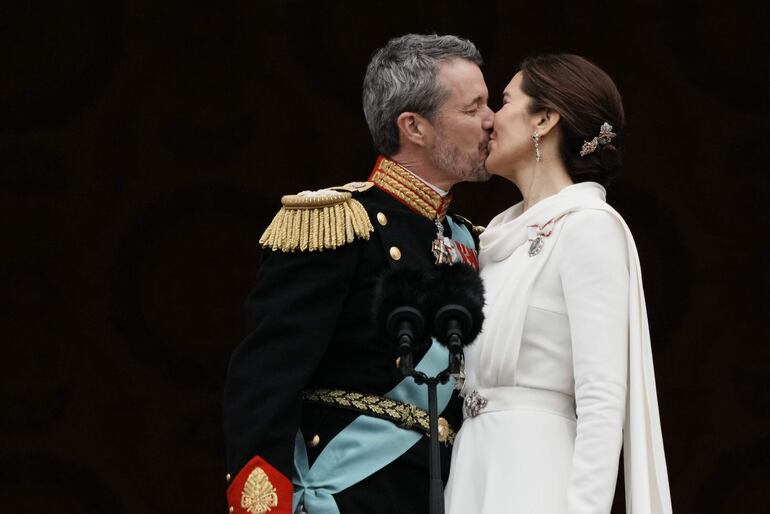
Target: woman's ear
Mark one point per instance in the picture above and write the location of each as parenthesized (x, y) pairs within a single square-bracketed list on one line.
[(547, 119), (413, 128)]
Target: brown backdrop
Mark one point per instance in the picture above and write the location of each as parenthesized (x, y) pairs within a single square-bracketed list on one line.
[(144, 147)]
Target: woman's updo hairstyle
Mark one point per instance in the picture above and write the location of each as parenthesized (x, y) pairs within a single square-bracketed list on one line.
[(585, 97)]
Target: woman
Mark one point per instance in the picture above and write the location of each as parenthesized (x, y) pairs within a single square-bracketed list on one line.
[(562, 375)]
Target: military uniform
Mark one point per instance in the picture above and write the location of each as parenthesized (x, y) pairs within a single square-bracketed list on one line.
[(310, 333)]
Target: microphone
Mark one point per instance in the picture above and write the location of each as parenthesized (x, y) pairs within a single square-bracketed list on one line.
[(399, 303), (456, 297), (453, 299)]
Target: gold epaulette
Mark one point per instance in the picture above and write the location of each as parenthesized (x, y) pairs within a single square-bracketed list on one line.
[(315, 221)]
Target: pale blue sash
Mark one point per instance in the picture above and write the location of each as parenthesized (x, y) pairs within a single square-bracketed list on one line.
[(460, 233), (365, 446)]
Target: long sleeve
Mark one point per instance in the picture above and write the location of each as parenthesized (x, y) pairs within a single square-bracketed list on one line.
[(595, 281), (291, 316)]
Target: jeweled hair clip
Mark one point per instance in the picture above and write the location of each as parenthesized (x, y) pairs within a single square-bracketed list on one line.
[(605, 136)]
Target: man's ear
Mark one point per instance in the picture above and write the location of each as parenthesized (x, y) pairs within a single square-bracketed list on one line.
[(547, 119), (413, 127)]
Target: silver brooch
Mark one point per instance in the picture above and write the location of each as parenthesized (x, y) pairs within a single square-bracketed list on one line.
[(473, 403), (537, 241), (536, 245), (605, 136)]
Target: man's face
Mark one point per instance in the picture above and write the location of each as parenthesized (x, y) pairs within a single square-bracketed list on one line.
[(462, 123)]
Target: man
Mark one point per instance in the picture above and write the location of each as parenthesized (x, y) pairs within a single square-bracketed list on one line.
[(317, 416)]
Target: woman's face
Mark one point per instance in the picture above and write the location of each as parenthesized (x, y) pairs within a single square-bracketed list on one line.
[(510, 144)]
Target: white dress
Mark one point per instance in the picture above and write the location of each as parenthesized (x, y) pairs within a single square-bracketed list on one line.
[(562, 371)]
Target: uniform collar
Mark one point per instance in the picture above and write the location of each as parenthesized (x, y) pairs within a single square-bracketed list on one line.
[(409, 189), (434, 187)]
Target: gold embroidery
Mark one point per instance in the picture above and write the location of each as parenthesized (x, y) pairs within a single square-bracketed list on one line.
[(317, 221), (412, 191), (402, 414), (259, 496), (412, 182)]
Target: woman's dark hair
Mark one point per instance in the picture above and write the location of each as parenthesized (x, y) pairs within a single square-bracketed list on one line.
[(585, 97)]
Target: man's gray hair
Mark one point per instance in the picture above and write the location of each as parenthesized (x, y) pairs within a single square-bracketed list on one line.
[(401, 77)]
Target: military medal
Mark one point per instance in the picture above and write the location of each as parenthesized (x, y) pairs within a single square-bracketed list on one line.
[(442, 251), (448, 251)]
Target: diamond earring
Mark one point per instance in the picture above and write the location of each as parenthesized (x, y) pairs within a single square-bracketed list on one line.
[(536, 140)]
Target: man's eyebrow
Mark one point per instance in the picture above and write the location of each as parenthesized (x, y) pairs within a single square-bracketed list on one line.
[(474, 101)]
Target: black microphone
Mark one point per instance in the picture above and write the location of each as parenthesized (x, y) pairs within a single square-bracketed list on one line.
[(399, 303), (456, 297)]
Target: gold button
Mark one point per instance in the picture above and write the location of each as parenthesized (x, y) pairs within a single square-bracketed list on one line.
[(395, 253), (231, 509), (227, 477), (382, 219), (443, 430), (315, 441)]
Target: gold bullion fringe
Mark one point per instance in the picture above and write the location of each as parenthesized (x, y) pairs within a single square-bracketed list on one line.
[(317, 229)]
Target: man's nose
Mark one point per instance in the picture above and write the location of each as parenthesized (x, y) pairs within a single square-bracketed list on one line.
[(489, 118)]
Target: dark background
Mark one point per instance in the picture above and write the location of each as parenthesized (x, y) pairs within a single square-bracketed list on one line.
[(144, 146)]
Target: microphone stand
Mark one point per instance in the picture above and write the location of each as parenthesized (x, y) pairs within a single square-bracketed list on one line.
[(406, 324), (436, 491), (453, 321)]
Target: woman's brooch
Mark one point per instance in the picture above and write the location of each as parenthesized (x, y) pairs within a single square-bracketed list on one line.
[(474, 403), (538, 235)]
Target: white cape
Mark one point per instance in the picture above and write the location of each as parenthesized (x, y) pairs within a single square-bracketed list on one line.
[(646, 478)]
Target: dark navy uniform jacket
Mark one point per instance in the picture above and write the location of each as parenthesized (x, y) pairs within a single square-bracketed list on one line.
[(310, 325)]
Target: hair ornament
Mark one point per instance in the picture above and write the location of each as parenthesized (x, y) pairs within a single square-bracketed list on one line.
[(605, 136)]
